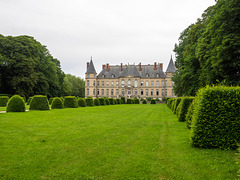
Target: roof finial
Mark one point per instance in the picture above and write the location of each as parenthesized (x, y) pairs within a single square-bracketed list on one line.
[(91, 58)]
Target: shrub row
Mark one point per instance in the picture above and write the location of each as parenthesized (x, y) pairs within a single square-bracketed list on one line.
[(3, 101)]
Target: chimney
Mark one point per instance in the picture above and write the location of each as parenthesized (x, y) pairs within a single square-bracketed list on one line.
[(140, 67), (103, 66), (155, 66), (161, 66), (121, 67), (87, 65), (107, 67)]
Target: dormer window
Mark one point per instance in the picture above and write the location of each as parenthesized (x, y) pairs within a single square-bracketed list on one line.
[(147, 75), (103, 76), (157, 75), (113, 76), (88, 76)]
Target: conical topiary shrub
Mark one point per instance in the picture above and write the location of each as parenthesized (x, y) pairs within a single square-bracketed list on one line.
[(81, 102), (39, 102), (57, 103), (16, 104), (70, 102)]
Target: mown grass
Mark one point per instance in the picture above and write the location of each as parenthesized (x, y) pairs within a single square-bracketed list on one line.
[(111, 142)]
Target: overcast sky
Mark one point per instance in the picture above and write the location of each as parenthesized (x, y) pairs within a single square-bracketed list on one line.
[(111, 31)]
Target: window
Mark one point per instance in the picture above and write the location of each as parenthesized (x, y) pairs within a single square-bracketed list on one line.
[(147, 75), (111, 91), (141, 91), (116, 91), (93, 83), (102, 91), (151, 92), (162, 92), (129, 92), (94, 91), (107, 83), (146, 92), (129, 83), (166, 82), (107, 92), (102, 83), (162, 82), (146, 83), (157, 92), (122, 91), (112, 83), (152, 83), (87, 82), (88, 76), (117, 83), (97, 83), (113, 75), (135, 91), (135, 84), (123, 83), (166, 92), (157, 75), (87, 92), (97, 91), (141, 83), (157, 83), (103, 76)]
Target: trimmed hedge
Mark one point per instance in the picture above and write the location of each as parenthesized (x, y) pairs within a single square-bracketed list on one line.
[(173, 104), (107, 101), (130, 101), (136, 101), (182, 108), (29, 100), (57, 103), (153, 101), (3, 101), (39, 102), (119, 101), (115, 101), (177, 101), (189, 115), (111, 100), (89, 101), (51, 100), (144, 101), (123, 100), (216, 120), (70, 102), (149, 99), (16, 104), (81, 102), (157, 100), (102, 101), (96, 102)]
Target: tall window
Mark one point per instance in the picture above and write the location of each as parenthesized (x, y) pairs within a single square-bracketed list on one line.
[(129, 83), (135, 91), (117, 83), (157, 75), (112, 92), (151, 92), (162, 92), (107, 92), (107, 83), (146, 83), (147, 75), (97, 91), (162, 82), (166, 92), (102, 91), (113, 75), (93, 83), (112, 83), (123, 82), (146, 92), (88, 76), (87, 91), (157, 83), (116, 91), (102, 83), (94, 91), (122, 91), (152, 83), (166, 82), (97, 83), (135, 84), (87, 82), (141, 91), (157, 92), (129, 92), (141, 83)]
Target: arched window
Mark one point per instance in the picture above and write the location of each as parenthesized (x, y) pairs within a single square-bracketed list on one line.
[(112, 92), (87, 82), (87, 92), (146, 92), (97, 91), (157, 75), (157, 92), (151, 92), (157, 83), (129, 83)]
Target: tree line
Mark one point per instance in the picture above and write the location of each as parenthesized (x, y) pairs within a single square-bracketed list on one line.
[(208, 51), (27, 68)]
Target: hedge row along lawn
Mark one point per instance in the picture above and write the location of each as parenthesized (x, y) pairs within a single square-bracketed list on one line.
[(133, 141)]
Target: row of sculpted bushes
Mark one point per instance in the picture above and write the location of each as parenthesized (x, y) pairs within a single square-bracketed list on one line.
[(212, 116)]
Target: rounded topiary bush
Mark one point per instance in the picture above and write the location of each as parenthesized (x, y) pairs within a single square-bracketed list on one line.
[(29, 100), (102, 101), (119, 101), (51, 100), (89, 101), (96, 102), (70, 102), (24, 98), (39, 102), (57, 103), (136, 101), (16, 104), (111, 100), (153, 101), (157, 100), (144, 101), (130, 101), (123, 100), (3, 101), (81, 102), (115, 101), (107, 101), (149, 99)]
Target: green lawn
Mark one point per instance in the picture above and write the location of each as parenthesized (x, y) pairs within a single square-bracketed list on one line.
[(111, 142)]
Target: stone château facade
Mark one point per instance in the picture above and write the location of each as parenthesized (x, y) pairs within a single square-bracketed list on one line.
[(141, 81)]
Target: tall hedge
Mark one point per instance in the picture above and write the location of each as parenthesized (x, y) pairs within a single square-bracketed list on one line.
[(177, 101), (39, 102), (51, 100), (16, 104), (81, 102), (96, 102), (123, 100), (216, 120), (107, 101), (136, 101), (182, 108), (130, 101), (70, 102), (3, 101), (190, 114), (144, 101), (89, 101), (29, 100), (102, 101), (111, 100), (119, 101), (57, 103), (115, 101), (153, 101)]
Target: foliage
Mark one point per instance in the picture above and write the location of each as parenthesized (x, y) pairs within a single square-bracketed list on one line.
[(82, 102), (50, 100), (130, 101), (141, 99), (144, 101), (74, 86), (70, 102), (182, 108), (153, 101), (123, 100), (96, 102), (107, 101), (159, 99), (3, 101), (115, 101), (136, 101), (216, 120), (29, 100), (111, 100), (177, 101), (89, 101), (102, 101), (16, 104), (39, 102), (149, 99), (119, 101), (57, 103), (190, 114)]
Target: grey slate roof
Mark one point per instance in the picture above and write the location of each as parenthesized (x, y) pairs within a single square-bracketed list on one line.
[(132, 70), (171, 67), (91, 69)]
